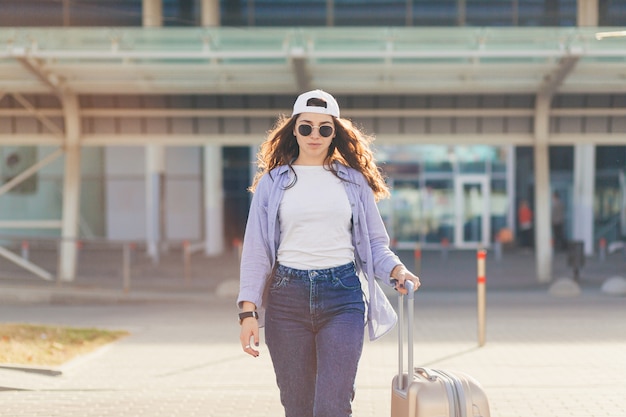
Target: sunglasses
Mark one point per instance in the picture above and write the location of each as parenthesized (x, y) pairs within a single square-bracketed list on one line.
[(324, 130)]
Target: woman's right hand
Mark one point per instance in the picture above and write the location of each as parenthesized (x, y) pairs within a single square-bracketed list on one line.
[(249, 335)]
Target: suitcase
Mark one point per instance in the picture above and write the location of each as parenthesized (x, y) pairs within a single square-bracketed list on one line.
[(425, 392)]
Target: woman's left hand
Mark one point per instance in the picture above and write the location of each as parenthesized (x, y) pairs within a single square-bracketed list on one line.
[(399, 275)]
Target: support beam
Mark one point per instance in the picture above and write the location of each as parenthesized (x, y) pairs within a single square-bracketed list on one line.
[(22, 263), (511, 163), (31, 224), (52, 127), (48, 78), (210, 13), (587, 13), (330, 13), (553, 81), (155, 158), (543, 227), (461, 12), (71, 188), (583, 198), (213, 201), (301, 72), (152, 13), (155, 196)]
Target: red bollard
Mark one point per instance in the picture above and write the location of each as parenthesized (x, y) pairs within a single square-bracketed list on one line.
[(481, 282)]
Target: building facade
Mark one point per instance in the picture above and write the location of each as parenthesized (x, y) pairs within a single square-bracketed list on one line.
[(485, 112)]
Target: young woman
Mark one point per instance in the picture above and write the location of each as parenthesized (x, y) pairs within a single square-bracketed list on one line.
[(313, 230)]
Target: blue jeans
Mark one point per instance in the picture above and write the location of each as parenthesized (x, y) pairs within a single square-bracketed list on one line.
[(314, 329)]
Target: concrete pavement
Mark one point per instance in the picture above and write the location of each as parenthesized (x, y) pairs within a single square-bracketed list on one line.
[(544, 356)]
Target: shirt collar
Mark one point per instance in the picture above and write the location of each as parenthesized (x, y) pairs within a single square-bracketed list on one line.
[(341, 169)]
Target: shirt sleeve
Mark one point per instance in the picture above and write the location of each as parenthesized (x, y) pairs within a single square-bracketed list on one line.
[(384, 259), (255, 256)]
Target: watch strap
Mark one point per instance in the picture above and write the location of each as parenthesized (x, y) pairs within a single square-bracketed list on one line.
[(245, 314)]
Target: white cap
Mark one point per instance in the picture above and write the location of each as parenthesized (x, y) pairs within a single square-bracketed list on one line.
[(300, 106)]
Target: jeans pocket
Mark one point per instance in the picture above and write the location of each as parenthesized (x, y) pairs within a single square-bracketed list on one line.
[(279, 280), (348, 282)]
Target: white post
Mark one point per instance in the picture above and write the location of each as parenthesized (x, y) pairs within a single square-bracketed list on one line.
[(510, 187), (542, 223), (155, 173), (152, 16), (584, 188), (71, 189), (213, 201)]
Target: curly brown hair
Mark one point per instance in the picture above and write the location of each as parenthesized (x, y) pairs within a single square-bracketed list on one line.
[(350, 147)]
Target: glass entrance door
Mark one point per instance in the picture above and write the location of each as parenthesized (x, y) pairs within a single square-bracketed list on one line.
[(472, 226)]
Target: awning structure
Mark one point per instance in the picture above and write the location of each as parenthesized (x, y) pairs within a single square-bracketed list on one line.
[(342, 60)]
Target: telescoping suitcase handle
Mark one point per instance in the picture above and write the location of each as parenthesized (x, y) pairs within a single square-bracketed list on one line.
[(410, 311)]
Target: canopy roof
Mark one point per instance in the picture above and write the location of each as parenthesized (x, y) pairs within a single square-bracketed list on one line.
[(341, 60)]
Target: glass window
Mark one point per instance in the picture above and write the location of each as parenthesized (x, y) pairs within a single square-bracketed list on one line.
[(490, 13), (498, 164), (407, 211), (561, 158), (473, 159), (472, 206), (610, 157), (79, 13), (180, 13), (438, 159), (438, 211), (612, 13), (499, 206), (435, 13), (371, 13), (289, 13)]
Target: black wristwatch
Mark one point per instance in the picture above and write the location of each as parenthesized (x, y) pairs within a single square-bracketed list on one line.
[(247, 314)]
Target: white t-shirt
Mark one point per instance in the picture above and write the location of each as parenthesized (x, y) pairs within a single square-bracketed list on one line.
[(315, 221)]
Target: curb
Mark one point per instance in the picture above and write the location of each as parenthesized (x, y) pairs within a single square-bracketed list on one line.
[(30, 295)]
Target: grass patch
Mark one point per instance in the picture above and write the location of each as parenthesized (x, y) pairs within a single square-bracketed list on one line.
[(30, 344)]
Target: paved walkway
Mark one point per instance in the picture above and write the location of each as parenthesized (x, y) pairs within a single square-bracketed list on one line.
[(544, 356)]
